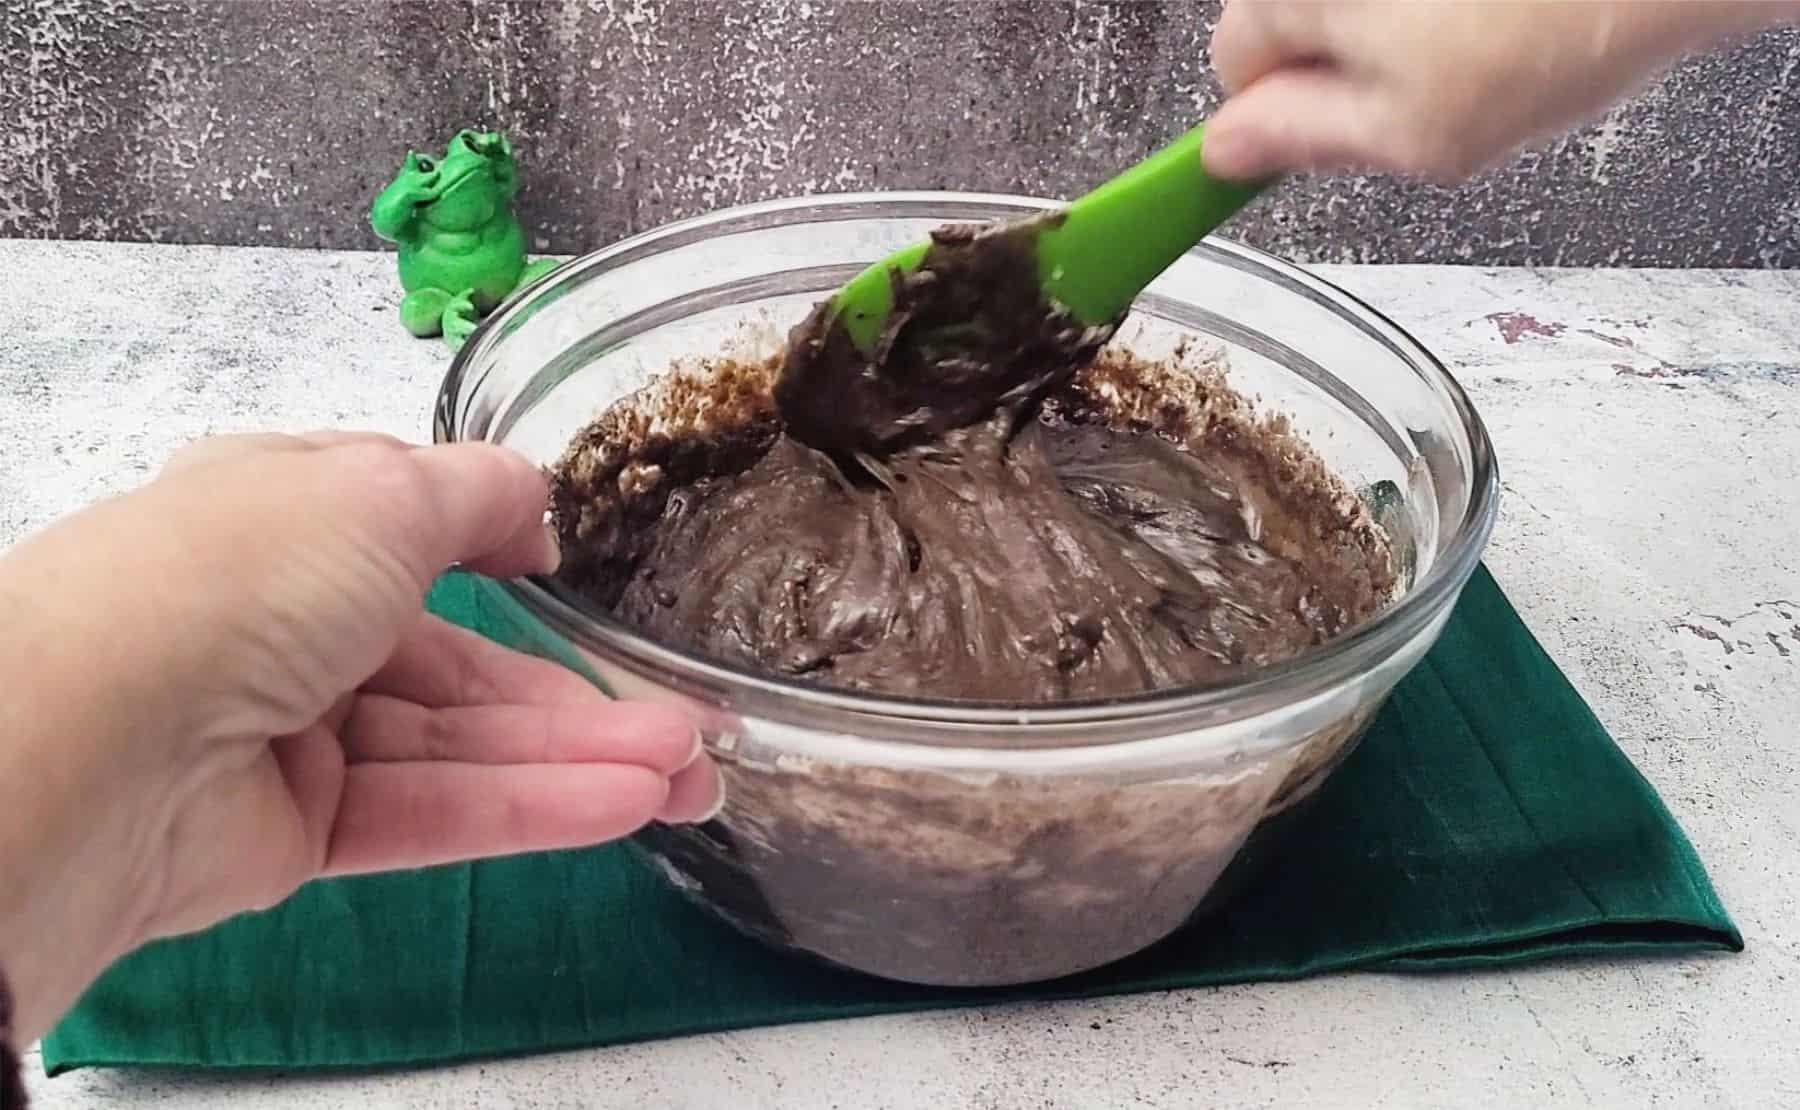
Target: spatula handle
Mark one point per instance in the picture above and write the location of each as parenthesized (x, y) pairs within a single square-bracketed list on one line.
[(1119, 237)]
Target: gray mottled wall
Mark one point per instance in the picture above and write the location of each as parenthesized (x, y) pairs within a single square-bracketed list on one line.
[(276, 122)]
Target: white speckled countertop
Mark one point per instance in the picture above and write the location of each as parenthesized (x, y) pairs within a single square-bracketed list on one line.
[(1648, 425)]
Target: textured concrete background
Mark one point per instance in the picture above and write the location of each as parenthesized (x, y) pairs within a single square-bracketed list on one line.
[(275, 123)]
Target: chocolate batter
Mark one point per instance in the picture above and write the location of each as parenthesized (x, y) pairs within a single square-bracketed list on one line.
[(969, 336), (959, 518)]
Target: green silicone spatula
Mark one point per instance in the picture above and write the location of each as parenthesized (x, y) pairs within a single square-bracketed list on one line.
[(1110, 245)]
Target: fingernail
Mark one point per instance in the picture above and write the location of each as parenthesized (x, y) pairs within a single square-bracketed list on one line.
[(1231, 154), (551, 557), (694, 752), (718, 805)]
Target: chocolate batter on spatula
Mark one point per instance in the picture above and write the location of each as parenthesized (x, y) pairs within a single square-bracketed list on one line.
[(982, 511)]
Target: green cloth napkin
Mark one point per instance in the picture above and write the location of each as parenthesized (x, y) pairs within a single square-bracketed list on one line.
[(1486, 819)]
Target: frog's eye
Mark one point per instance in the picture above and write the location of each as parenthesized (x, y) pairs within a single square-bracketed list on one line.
[(426, 165)]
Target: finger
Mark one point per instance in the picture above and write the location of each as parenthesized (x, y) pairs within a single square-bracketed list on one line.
[(221, 448), (403, 815), (471, 503), (312, 765), (534, 549), (1297, 119), (441, 664), (392, 730), (696, 794), (1257, 37)]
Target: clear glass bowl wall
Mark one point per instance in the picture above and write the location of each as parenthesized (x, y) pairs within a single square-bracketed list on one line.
[(981, 845)]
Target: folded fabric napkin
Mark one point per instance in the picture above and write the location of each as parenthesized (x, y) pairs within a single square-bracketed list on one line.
[(1487, 818)]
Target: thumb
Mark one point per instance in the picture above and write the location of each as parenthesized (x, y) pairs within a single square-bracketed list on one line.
[(473, 504), (1304, 118)]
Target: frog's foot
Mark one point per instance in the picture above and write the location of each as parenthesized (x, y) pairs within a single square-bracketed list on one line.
[(536, 270), (422, 311), (459, 319)]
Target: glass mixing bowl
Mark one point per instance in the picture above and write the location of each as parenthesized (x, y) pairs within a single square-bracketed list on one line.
[(959, 844)]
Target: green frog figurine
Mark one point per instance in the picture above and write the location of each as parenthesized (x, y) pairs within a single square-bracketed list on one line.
[(461, 250)]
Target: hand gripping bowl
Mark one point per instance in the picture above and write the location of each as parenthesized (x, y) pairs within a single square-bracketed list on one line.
[(959, 844)]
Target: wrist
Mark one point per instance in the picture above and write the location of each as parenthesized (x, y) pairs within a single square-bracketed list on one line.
[(84, 749), (68, 906), (73, 862)]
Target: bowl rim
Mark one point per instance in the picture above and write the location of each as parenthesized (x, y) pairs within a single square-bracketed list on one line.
[(1308, 675)]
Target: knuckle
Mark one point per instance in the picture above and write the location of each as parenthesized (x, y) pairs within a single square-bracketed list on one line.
[(440, 738), (368, 504), (384, 480), (371, 459)]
